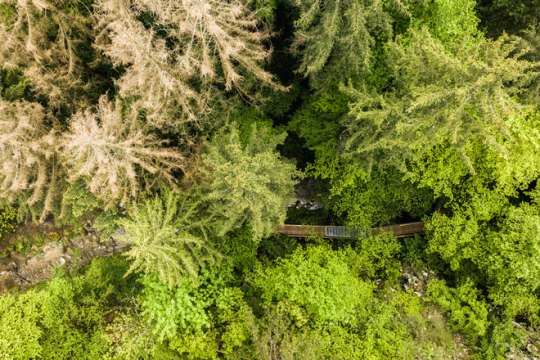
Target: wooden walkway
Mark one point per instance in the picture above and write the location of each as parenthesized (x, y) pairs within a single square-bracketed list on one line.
[(330, 232)]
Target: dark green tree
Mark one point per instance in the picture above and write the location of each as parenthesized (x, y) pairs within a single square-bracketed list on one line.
[(247, 183)]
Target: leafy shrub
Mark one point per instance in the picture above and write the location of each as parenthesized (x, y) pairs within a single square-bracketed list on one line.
[(63, 319), (13, 86), (77, 204), (317, 281), (172, 310), (7, 220), (377, 256), (467, 311)]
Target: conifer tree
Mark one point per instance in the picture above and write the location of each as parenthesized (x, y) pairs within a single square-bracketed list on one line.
[(336, 37), (174, 50), (27, 154), (166, 239), (114, 154), (247, 183), (453, 95)]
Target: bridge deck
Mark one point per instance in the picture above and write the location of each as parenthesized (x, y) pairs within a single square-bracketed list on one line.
[(400, 230)]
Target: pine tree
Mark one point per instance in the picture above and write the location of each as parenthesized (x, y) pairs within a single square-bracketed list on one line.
[(247, 183), (113, 153), (174, 50), (336, 37), (453, 95), (166, 240), (28, 163)]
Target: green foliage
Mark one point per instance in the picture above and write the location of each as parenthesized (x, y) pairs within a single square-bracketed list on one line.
[(378, 199), (130, 338), (464, 306), (510, 261), (63, 319), (166, 239), (247, 185), (318, 123), (78, 204), (315, 282), (265, 8), (7, 220), (503, 337), (377, 256), (172, 310), (277, 246), (451, 21), (8, 13), (439, 122), (503, 251), (459, 96), (361, 200), (238, 247), (198, 320), (13, 86), (509, 16), (336, 37)]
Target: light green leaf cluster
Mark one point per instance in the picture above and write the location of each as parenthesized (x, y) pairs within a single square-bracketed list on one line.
[(60, 321), (172, 310), (503, 250), (467, 312), (315, 282), (198, 320)]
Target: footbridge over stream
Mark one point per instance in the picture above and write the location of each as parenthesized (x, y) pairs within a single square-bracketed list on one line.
[(344, 232)]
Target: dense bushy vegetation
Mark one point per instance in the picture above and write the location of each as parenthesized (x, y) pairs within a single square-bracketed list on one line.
[(182, 127)]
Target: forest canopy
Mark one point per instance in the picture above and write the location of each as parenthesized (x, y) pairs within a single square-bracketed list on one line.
[(151, 149)]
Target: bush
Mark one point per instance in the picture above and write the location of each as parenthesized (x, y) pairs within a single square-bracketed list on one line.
[(315, 283), (467, 311), (7, 220)]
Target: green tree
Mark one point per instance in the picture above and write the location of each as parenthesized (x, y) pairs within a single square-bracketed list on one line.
[(247, 184), (509, 16), (63, 318), (166, 239), (336, 38), (444, 95), (499, 250), (198, 320), (467, 312), (360, 200), (315, 283)]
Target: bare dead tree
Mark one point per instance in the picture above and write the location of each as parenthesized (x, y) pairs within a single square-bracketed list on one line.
[(27, 153), (186, 46), (114, 154)]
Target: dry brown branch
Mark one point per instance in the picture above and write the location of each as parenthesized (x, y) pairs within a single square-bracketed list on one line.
[(114, 154), (41, 41), (26, 153), (180, 50)]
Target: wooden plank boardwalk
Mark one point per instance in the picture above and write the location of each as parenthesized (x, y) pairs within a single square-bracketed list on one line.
[(343, 232)]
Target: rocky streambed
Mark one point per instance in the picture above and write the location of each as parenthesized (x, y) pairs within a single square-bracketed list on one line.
[(28, 264)]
